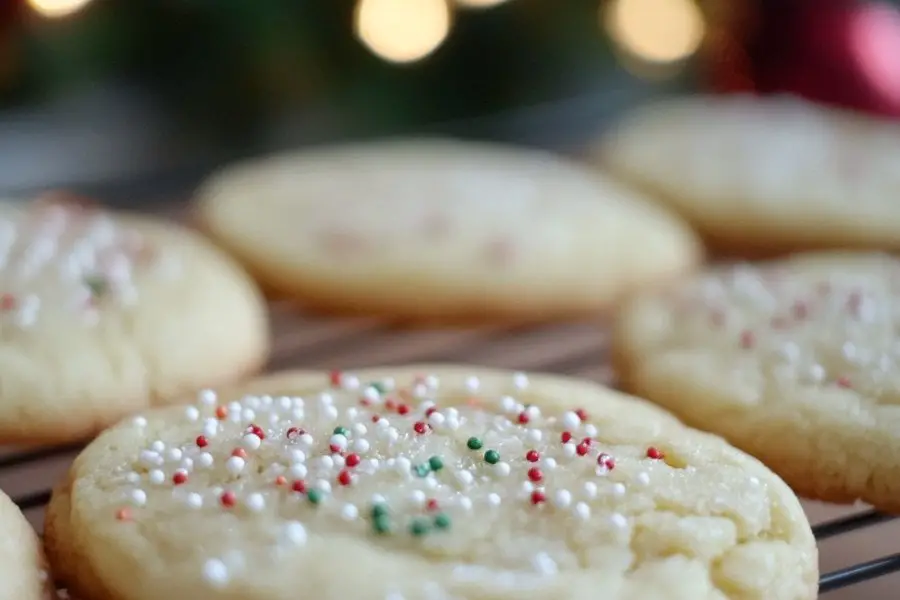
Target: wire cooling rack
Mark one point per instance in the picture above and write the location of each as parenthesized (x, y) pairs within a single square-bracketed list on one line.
[(828, 582)]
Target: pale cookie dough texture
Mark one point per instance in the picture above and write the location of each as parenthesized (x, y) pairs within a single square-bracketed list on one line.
[(22, 567), (794, 361), (765, 175), (440, 229), (424, 483), (103, 314)]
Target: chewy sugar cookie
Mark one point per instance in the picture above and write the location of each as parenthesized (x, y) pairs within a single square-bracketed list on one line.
[(794, 361), (22, 565), (439, 229), (103, 314), (763, 175), (420, 483)]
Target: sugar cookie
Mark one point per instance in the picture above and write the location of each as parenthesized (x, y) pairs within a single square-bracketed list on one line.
[(424, 482), (438, 229), (793, 361), (103, 314), (22, 566), (765, 175)]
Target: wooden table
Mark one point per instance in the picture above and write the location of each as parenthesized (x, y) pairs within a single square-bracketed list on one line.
[(573, 348)]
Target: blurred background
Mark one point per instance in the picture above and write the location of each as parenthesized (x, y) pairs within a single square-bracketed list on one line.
[(114, 96)]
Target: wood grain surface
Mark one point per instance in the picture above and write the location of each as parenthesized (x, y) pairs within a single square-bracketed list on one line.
[(578, 348)]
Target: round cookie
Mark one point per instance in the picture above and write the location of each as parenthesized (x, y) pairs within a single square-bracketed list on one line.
[(103, 314), (794, 361), (420, 483), (765, 175), (22, 565), (442, 230)]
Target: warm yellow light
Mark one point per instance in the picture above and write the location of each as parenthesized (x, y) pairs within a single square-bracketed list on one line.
[(402, 31), (657, 31), (479, 3), (57, 8)]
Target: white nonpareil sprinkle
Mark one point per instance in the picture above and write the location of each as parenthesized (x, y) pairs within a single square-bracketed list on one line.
[(216, 573)]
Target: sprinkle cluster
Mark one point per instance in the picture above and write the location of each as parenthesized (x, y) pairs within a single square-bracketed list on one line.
[(831, 327), (56, 253), (410, 462)]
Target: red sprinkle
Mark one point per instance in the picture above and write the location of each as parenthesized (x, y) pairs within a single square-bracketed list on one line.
[(402, 409), (420, 427), (257, 431), (523, 418), (352, 460), (535, 475), (431, 410), (582, 449), (7, 302), (748, 340), (565, 437), (179, 477), (280, 480), (202, 442), (221, 412), (239, 452), (605, 460), (843, 382), (654, 453), (537, 497), (228, 499), (294, 432), (389, 404), (123, 514), (375, 418), (532, 456), (582, 414), (299, 486), (344, 477), (335, 449), (336, 378), (432, 504)]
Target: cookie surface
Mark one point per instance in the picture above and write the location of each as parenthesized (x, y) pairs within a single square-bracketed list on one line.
[(424, 482), (765, 175), (22, 566), (103, 314), (441, 229), (794, 361)]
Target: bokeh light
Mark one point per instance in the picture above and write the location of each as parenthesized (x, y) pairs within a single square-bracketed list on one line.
[(656, 31), (402, 31), (57, 8)]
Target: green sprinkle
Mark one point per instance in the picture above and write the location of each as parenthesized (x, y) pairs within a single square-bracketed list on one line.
[(342, 431), (379, 510), (474, 443), (418, 527), (422, 470), (96, 284), (314, 496), (381, 524), (435, 463), (442, 521), (378, 387), (492, 457)]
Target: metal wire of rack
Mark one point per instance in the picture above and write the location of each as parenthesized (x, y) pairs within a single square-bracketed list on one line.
[(828, 582)]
